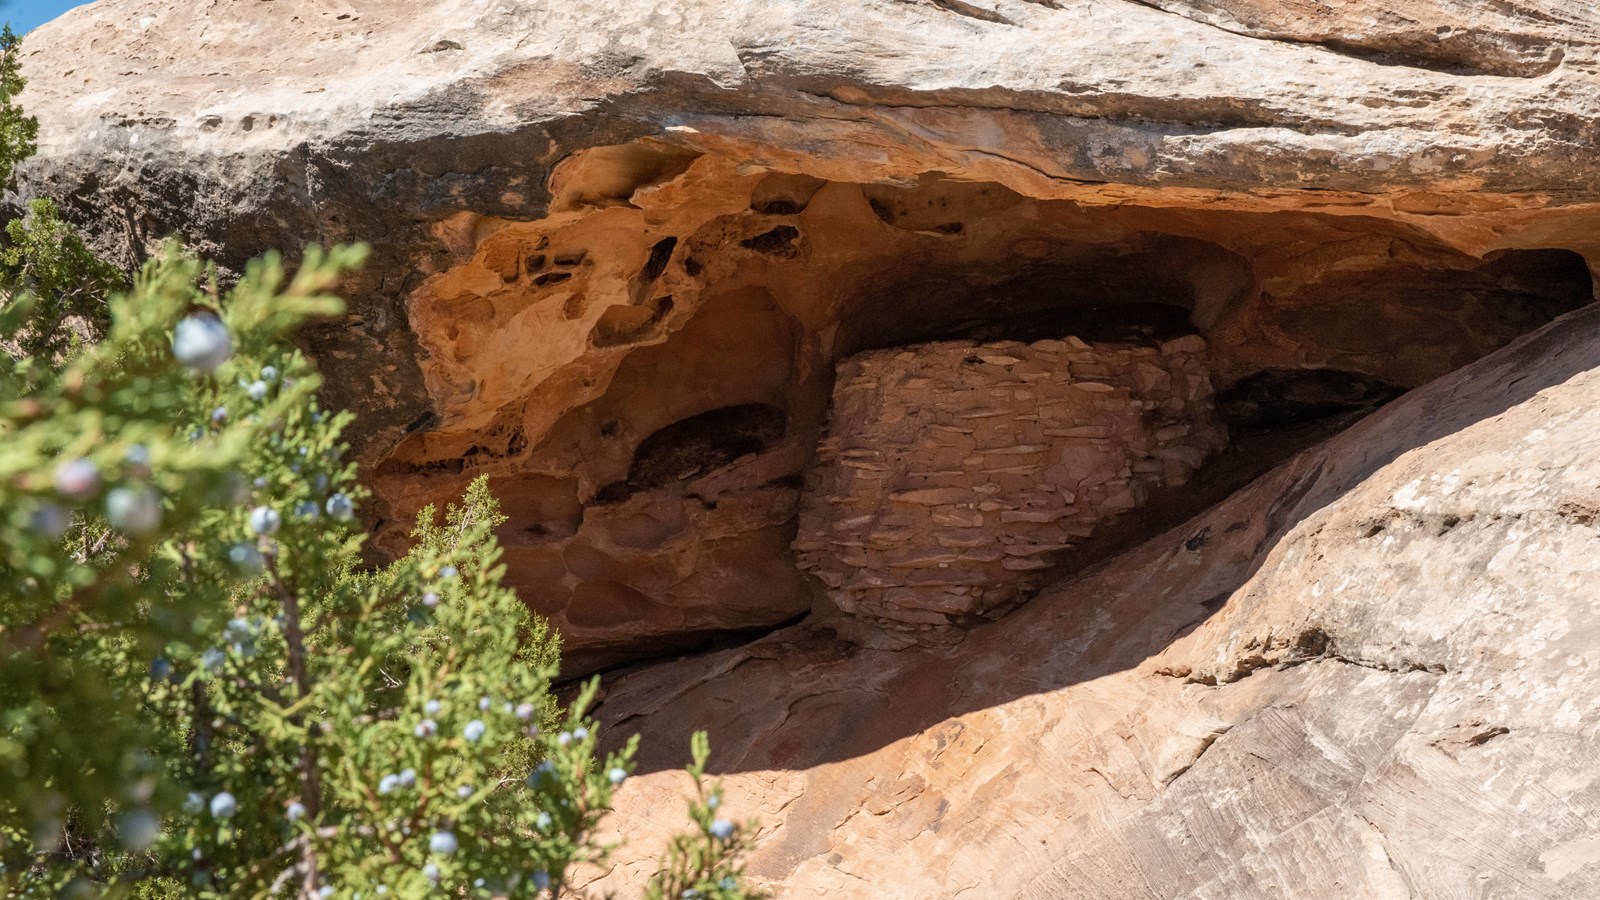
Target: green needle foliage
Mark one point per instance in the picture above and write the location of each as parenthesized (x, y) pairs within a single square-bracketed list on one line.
[(18, 130), (57, 282), (202, 690), (698, 864), (55, 285)]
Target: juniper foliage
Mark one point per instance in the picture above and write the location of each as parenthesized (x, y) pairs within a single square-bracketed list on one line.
[(55, 287), (203, 692), (19, 132)]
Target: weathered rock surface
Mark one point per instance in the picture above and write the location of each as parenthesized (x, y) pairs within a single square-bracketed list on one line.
[(596, 222), (1373, 673), (621, 248)]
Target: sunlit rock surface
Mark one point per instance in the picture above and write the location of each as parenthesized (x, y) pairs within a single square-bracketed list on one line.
[(622, 252)]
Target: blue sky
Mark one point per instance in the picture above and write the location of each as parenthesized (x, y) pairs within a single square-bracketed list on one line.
[(26, 15)]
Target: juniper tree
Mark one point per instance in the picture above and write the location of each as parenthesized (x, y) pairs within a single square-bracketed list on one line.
[(202, 691)]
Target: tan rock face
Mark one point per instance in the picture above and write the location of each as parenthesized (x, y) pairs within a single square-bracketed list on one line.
[(1373, 673), (954, 472), (621, 251), (645, 373), (594, 223)]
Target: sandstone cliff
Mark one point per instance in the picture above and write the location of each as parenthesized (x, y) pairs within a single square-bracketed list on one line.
[(632, 257)]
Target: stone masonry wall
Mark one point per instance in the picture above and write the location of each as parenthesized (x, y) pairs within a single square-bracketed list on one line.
[(952, 471)]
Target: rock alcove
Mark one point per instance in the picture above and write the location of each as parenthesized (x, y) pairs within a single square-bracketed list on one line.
[(647, 372), (629, 257)]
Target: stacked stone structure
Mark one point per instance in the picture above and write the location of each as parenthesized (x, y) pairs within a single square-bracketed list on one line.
[(953, 471)]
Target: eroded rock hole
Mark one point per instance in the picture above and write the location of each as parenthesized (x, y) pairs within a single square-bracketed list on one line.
[(1001, 428), (609, 175), (1039, 384), (779, 242), (1113, 323), (660, 255), (622, 325), (778, 206), (1145, 288), (1532, 287), (704, 442), (1278, 397), (782, 194)]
